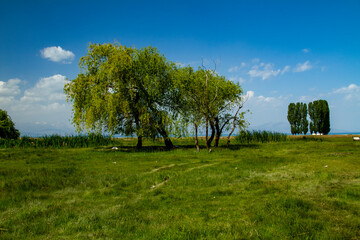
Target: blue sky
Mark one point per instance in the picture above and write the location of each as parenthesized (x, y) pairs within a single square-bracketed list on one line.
[(280, 52)]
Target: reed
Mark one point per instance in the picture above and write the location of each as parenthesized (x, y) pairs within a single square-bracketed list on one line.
[(57, 141)]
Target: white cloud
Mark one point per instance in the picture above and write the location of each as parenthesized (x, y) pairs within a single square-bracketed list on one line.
[(286, 69), (264, 71), (349, 89), (45, 102), (46, 89), (10, 88), (306, 50), (351, 92), (249, 95), (265, 99), (8, 91), (302, 67), (57, 54)]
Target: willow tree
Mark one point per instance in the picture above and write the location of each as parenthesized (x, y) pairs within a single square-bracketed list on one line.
[(124, 90), (208, 100)]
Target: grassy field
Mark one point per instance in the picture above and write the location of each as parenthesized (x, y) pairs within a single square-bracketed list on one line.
[(298, 189)]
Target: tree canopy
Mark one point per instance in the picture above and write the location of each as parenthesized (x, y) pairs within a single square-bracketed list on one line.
[(319, 117), (297, 117), (319, 113), (125, 90), (208, 99), (7, 126)]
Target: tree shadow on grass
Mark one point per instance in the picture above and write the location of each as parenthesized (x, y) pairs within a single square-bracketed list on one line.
[(242, 146), (134, 149)]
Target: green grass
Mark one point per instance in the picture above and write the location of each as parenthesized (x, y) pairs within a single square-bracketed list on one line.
[(250, 191)]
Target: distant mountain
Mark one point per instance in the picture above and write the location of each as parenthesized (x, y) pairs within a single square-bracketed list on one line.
[(42, 129)]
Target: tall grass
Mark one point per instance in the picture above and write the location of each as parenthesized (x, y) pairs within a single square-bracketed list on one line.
[(57, 141), (260, 136)]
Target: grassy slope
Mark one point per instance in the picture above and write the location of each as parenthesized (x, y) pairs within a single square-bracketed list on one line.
[(267, 191)]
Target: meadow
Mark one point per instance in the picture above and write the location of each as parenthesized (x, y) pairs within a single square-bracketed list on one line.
[(302, 188)]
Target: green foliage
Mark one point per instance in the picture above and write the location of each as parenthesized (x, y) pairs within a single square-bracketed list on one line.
[(246, 136), (7, 126), (297, 117), (319, 117), (124, 90), (208, 99), (56, 141), (128, 91), (304, 121), (291, 117)]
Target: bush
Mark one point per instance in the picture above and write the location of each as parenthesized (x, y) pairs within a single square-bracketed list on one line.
[(246, 136)]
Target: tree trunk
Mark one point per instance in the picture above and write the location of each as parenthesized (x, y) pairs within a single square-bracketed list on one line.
[(168, 143), (138, 127), (207, 132), (234, 125), (232, 130), (196, 139), (167, 140), (209, 141), (218, 132), (139, 143)]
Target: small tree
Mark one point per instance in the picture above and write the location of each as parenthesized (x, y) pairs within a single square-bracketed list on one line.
[(7, 127), (208, 99)]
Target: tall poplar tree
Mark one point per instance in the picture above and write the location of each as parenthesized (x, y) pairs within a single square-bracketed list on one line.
[(291, 118), (304, 120), (297, 117), (319, 113)]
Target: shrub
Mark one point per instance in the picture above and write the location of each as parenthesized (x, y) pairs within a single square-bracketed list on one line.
[(246, 136)]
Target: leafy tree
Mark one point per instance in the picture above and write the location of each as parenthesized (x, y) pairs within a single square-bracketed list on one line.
[(311, 109), (297, 117), (124, 90), (292, 118), (304, 120), (325, 127), (7, 126), (319, 117), (207, 101)]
